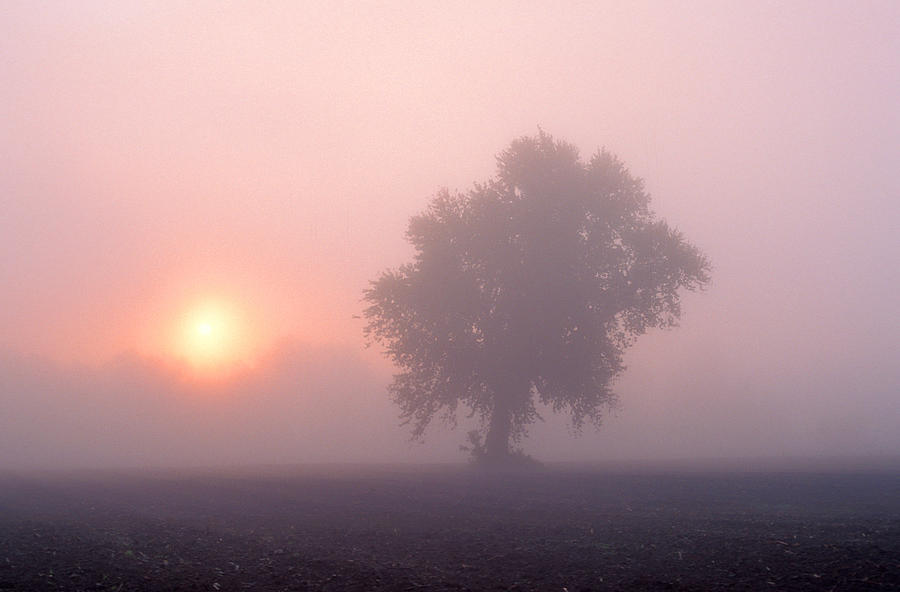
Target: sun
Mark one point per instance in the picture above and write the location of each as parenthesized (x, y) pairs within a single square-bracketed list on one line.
[(212, 338)]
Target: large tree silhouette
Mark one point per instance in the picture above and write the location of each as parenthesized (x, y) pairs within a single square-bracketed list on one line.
[(528, 287)]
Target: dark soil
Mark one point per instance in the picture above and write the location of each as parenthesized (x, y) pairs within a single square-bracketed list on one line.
[(450, 529)]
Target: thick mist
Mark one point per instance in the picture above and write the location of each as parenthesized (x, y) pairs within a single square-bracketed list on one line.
[(153, 155), (311, 405)]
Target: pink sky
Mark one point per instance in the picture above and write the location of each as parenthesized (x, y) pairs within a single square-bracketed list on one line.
[(157, 155)]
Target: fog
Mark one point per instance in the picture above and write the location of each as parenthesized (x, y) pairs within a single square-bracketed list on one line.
[(153, 156)]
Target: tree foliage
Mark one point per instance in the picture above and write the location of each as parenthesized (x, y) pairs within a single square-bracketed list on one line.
[(528, 288)]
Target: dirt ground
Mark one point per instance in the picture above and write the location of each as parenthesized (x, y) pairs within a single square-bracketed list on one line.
[(450, 528)]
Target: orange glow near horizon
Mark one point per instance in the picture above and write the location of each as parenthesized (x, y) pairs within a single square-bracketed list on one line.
[(214, 338), (214, 326)]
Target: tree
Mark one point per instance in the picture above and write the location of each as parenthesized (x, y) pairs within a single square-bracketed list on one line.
[(528, 288)]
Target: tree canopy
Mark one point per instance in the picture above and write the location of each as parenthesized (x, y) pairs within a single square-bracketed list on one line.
[(528, 287)]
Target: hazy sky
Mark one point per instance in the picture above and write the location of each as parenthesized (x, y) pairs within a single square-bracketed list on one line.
[(245, 166)]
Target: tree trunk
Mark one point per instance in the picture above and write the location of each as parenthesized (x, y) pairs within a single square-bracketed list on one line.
[(496, 444)]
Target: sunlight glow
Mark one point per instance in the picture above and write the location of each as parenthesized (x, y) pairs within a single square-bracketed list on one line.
[(212, 338)]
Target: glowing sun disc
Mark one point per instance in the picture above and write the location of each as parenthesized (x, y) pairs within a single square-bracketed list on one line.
[(212, 337)]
